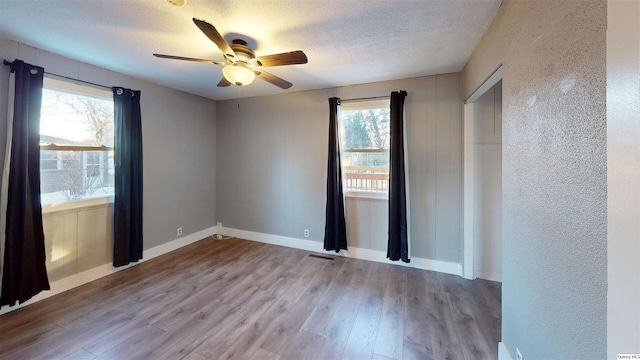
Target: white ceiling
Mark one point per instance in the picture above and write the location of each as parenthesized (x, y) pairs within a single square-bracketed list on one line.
[(346, 41)]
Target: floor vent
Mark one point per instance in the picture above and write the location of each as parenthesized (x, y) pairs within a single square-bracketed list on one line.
[(321, 257)]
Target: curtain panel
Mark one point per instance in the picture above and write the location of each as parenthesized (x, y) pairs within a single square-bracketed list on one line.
[(24, 272), (127, 214), (335, 230), (397, 248)]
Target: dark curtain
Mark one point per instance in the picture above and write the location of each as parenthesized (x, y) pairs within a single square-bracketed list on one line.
[(335, 229), (397, 248), (127, 213), (24, 271)]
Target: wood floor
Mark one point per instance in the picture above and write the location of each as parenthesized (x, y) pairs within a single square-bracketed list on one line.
[(238, 299)]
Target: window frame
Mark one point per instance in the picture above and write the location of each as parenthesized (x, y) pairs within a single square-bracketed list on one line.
[(55, 83), (356, 106)]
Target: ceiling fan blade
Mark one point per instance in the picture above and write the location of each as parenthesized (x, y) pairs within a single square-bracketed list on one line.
[(288, 58), (215, 36), (272, 79), (224, 82), (162, 56)]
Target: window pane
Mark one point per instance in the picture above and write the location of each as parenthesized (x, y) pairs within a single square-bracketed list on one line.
[(78, 175), (366, 130), (367, 172), (71, 117)]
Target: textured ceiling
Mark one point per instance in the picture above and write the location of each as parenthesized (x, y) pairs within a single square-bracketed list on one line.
[(347, 42)]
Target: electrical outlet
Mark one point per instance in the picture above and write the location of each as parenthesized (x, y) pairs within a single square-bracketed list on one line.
[(306, 232), (179, 231), (519, 355), (219, 224)]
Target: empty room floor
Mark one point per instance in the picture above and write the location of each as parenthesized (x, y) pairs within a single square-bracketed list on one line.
[(239, 299)]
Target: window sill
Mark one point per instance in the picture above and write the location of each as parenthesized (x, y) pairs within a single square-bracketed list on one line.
[(78, 204), (367, 195)]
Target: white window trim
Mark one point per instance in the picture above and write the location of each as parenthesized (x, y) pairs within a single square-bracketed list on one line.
[(367, 195), (51, 82), (365, 105), (366, 150)]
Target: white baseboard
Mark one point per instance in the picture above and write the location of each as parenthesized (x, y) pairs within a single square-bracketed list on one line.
[(503, 353), (302, 244), (178, 243), (492, 276), (84, 277), (353, 252)]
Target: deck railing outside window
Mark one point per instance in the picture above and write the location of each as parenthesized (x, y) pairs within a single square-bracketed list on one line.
[(364, 135), (366, 178)]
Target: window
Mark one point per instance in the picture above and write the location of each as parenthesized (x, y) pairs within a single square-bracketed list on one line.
[(364, 134), (76, 142)]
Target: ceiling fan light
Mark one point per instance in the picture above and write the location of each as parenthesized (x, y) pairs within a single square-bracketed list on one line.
[(238, 74)]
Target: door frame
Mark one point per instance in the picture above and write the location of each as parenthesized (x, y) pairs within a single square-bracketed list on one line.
[(469, 173)]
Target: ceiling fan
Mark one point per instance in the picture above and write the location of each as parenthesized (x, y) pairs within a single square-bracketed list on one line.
[(241, 66)]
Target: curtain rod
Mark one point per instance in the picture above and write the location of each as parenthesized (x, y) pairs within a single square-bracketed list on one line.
[(8, 63), (365, 98), (77, 80)]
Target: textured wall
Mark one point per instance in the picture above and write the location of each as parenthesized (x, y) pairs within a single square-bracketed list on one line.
[(554, 174), (272, 165), (179, 137)]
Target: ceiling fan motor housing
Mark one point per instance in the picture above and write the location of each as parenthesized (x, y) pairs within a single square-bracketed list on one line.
[(243, 52)]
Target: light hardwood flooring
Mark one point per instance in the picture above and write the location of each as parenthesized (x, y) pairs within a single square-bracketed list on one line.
[(238, 299)]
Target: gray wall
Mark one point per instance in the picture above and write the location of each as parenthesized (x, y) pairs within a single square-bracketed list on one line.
[(271, 163), (554, 290), (179, 136)]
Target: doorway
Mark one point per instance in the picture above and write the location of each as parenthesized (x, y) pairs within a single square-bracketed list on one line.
[(483, 181)]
